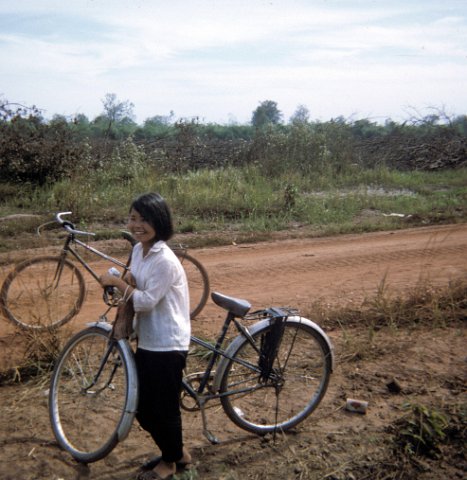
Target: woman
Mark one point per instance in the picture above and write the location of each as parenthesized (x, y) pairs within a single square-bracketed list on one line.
[(161, 303)]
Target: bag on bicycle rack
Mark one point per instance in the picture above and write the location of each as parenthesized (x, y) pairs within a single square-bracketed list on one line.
[(271, 341)]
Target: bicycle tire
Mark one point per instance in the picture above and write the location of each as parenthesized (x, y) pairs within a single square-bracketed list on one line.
[(30, 299), (198, 281), (302, 369), (88, 423)]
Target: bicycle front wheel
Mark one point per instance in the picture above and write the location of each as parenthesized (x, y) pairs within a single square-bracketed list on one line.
[(294, 388), (198, 281), (93, 395), (42, 293)]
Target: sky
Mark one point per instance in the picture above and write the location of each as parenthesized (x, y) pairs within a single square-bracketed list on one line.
[(217, 60)]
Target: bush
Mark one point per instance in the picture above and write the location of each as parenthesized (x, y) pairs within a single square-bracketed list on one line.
[(35, 152)]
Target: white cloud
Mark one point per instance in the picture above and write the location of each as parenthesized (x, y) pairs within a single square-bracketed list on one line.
[(215, 58)]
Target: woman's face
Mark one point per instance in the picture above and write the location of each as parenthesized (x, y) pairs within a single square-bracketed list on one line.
[(140, 228)]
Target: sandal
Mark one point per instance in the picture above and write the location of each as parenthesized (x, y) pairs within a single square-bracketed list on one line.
[(152, 475), (153, 462)]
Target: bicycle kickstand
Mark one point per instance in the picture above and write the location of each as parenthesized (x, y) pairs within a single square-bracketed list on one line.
[(209, 435)]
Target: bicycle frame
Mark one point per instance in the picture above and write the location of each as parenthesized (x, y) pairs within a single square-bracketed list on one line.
[(68, 248), (198, 394), (219, 352), (72, 240)]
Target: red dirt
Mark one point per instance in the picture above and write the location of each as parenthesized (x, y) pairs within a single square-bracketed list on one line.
[(331, 443)]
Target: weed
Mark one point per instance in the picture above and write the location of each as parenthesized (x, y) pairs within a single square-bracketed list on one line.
[(190, 474), (290, 196), (41, 348), (421, 432), (423, 304)]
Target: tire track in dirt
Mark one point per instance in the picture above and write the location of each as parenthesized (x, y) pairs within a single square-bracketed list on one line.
[(308, 262), (298, 272), (346, 267)]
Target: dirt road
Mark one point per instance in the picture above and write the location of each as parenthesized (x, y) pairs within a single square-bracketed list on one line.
[(332, 443), (297, 273)]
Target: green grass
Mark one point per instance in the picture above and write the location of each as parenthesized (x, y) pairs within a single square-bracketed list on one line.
[(247, 200)]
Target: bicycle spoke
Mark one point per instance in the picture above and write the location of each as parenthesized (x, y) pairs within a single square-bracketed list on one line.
[(288, 393), (89, 391), (33, 296)]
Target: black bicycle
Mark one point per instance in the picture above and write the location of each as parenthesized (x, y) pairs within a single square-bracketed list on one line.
[(269, 378)]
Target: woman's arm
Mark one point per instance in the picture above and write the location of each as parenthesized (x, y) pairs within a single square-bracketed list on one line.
[(124, 285)]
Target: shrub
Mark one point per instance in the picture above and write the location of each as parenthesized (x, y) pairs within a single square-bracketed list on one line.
[(36, 152)]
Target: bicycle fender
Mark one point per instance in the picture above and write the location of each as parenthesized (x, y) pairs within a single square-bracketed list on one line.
[(103, 325), (255, 329), (133, 388), (133, 391)]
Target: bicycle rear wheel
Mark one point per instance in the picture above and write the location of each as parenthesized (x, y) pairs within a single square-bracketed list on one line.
[(42, 293), (198, 281), (296, 385), (93, 395)]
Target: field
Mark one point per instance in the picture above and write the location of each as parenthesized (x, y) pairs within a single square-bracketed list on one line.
[(393, 304)]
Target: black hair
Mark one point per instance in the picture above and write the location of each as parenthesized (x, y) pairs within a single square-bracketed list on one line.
[(154, 209)]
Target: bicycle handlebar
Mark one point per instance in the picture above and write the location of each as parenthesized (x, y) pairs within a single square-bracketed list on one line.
[(68, 226)]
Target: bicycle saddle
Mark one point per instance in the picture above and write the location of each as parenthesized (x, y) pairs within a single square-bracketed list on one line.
[(236, 306)]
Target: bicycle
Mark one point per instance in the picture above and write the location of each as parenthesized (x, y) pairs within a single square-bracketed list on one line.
[(48, 291), (270, 378)]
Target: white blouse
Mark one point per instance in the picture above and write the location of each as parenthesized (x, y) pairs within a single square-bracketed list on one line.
[(161, 299)]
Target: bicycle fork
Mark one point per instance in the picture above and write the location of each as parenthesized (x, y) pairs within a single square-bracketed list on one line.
[(108, 383)]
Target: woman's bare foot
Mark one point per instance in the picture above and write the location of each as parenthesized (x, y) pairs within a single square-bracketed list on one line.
[(180, 464), (165, 470), (186, 458)]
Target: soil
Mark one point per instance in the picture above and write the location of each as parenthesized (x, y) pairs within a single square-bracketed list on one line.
[(428, 363)]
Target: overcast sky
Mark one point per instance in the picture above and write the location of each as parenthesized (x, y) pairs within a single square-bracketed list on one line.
[(218, 59)]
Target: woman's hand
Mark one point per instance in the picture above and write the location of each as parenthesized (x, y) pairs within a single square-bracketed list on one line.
[(109, 280), (126, 285)]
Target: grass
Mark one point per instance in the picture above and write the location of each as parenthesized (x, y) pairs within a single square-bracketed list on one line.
[(39, 352), (424, 304), (420, 307), (244, 201)]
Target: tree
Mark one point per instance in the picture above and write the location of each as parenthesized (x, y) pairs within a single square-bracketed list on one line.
[(364, 129), (116, 112), (9, 110), (160, 119), (81, 125), (301, 115), (266, 113)]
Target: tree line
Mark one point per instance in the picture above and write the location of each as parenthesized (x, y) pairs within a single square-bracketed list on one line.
[(36, 150)]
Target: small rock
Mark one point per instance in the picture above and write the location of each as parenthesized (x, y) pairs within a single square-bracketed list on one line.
[(394, 386)]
